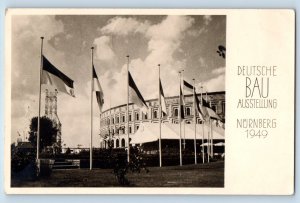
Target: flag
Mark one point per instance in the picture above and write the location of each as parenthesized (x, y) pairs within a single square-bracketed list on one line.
[(197, 103), (162, 99), (135, 95), (97, 88), (212, 114), (207, 111), (204, 109), (52, 76), (188, 86), (181, 104)]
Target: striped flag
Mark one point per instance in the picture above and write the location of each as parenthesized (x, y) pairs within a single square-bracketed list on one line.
[(162, 99), (97, 88), (197, 102), (212, 114), (188, 86), (54, 77), (204, 109), (207, 112), (135, 95)]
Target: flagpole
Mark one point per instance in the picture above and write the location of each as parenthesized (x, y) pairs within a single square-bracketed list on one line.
[(39, 115), (203, 158), (128, 151), (182, 78), (211, 135), (179, 118), (195, 121), (159, 113), (208, 141), (211, 138), (91, 138), (100, 129)]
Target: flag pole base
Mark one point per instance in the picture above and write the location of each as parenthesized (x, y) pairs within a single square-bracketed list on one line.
[(38, 167)]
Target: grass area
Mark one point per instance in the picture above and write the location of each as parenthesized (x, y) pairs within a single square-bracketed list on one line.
[(201, 175)]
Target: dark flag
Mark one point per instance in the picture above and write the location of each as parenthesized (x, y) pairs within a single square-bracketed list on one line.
[(135, 95), (188, 86), (54, 77)]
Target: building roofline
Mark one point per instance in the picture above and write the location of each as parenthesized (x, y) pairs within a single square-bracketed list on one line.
[(172, 97)]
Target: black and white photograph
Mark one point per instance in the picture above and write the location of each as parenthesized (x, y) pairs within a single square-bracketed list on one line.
[(149, 101), (118, 101)]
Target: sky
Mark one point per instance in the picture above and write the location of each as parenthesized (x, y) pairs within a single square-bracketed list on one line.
[(188, 43)]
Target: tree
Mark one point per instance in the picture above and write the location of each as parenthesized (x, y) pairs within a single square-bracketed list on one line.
[(48, 132), (68, 151)]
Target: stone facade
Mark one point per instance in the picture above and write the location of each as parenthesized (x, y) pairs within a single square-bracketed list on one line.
[(114, 122)]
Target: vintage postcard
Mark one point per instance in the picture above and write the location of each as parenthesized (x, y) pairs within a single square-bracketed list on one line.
[(149, 101)]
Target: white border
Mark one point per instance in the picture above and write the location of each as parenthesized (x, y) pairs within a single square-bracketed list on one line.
[(112, 190)]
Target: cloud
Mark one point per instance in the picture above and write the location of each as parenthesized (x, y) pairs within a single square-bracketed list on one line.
[(219, 71), (69, 36), (164, 40), (104, 51), (203, 29), (124, 26), (217, 83), (207, 19), (165, 37), (202, 62), (26, 26), (26, 33)]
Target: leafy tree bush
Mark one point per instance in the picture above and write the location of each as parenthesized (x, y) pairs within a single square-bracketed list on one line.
[(23, 165), (48, 132), (20, 159)]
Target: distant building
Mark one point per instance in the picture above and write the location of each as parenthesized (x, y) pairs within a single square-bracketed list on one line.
[(24, 147), (114, 121), (51, 113)]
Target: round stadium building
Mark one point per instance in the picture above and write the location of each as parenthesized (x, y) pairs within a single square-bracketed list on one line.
[(113, 132)]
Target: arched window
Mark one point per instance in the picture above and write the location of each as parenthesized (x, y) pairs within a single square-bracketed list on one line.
[(130, 130), (117, 143), (123, 143), (146, 116), (137, 116), (176, 112), (117, 120), (123, 118), (188, 111), (155, 114), (137, 127), (113, 121), (113, 143), (130, 117)]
